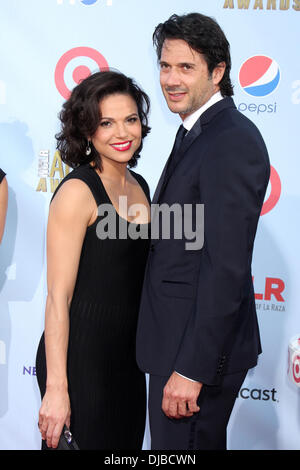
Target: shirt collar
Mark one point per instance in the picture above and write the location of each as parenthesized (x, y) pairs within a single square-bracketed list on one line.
[(192, 118)]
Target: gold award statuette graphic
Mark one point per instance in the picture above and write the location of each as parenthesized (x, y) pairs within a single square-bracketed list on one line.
[(50, 176)]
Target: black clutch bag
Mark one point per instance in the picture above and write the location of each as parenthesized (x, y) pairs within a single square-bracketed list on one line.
[(67, 441)]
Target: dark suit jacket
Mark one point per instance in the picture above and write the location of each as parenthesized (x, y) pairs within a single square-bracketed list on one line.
[(197, 313)]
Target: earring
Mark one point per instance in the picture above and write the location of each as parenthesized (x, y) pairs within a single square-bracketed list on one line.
[(88, 148)]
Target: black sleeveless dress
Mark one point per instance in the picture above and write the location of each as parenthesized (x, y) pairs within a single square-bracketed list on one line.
[(2, 174), (107, 390)]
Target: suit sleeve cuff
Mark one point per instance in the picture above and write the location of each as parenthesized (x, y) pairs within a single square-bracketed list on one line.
[(192, 380)]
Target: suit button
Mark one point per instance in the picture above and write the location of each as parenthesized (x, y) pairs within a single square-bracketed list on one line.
[(152, 247)]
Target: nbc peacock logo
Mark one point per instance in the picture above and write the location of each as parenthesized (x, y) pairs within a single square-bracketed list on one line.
[(259, 76)]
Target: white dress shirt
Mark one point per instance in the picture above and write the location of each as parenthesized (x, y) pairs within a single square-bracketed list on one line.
[(192, 118), (188, 124)]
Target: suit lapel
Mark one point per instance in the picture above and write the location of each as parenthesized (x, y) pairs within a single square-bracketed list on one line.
[(159, 185), (196, 130), (187, 142)]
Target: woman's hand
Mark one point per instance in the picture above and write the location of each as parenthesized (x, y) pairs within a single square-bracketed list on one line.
[(55, 411)]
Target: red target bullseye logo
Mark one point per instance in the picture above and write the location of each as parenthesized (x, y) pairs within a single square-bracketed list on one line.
[(80, 72), (296, 368), (274, 196)]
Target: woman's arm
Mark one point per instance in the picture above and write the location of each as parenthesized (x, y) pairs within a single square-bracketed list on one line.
[(69, 216), (3, 205)]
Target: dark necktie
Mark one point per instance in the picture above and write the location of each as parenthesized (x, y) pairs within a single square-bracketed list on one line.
[(172, 161)]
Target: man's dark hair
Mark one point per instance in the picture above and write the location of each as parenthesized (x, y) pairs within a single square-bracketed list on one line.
[(80, 116), (204, 35)]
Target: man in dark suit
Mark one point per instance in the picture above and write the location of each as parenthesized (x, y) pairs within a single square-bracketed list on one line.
[(198, 333)]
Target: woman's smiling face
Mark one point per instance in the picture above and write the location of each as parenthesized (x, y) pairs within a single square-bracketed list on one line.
[(119, 133)]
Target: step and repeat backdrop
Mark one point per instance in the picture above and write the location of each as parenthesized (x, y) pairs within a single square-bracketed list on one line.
[(46, 48)]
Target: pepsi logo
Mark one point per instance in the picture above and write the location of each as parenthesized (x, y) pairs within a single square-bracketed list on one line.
[(259, 75)]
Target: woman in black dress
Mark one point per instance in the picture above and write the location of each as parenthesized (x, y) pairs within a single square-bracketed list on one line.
[(86, 367), (3, 202)]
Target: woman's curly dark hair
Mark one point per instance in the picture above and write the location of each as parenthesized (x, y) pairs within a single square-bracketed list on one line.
[(203, 34), (80, 116)]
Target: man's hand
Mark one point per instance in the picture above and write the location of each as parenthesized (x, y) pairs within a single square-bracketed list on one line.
[(180, 397)]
